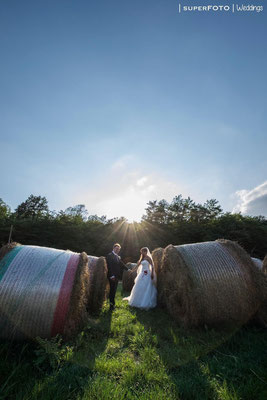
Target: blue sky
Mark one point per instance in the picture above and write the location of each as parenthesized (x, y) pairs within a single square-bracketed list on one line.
[(114, 103)]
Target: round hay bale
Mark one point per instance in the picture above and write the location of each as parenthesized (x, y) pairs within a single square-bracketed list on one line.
[(259, 281), (210, 283), (129, 276), (98, 284), (157, 256), (42, 292)]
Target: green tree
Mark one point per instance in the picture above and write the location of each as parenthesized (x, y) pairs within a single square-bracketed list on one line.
[(34, 207), (5, 210), (77, 211), (94, 217), (213, 208), (157, 212)]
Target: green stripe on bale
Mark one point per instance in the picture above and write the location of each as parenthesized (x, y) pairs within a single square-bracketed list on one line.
[(7, 259), (33, 286), (7, 248)]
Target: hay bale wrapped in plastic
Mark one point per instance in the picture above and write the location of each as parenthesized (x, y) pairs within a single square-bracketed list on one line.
[(42, 292), (129, 276), (98, 284), (212, 283)]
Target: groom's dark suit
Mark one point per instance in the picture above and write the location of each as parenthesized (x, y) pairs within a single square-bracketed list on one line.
[(115, 266)]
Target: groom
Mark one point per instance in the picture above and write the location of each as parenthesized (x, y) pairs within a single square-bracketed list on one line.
[(115, 265)]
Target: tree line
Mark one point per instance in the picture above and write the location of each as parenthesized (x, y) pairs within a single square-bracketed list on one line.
[(177, 222)]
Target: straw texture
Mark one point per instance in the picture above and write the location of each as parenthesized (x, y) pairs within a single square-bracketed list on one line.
[(209, 283), (77, 314), (129, 276), (36, 288), (157, 255), (98, 284)]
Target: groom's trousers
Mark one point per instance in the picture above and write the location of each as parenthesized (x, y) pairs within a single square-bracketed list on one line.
[(112, 292)]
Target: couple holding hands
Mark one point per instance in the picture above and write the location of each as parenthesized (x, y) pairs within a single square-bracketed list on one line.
[(144, 292)]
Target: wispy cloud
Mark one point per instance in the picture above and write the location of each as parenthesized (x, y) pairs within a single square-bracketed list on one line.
[(252, 202), (126, 189)]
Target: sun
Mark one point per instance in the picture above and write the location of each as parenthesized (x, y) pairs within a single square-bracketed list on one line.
[(129, 205)]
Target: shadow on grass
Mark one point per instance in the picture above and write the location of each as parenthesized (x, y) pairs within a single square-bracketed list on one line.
[(209, 364), (135, 354), (45, 380)]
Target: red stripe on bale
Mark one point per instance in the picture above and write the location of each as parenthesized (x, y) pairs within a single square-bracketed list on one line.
[(62, 306)]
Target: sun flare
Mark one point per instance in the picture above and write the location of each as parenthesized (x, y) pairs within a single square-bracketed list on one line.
[(129, 205)]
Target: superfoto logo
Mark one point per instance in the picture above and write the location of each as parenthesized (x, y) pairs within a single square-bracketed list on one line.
[(207, 8), (221, 8)]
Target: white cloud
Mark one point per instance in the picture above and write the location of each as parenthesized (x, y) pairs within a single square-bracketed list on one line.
[(252, 202), (126, 189), (142, 181)]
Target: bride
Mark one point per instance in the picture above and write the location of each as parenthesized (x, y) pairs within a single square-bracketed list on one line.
[(144, 292)]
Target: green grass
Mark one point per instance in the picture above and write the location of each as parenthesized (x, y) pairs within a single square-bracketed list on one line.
[(134, 354)]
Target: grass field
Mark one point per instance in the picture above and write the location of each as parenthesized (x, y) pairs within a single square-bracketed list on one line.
[(134, 354)]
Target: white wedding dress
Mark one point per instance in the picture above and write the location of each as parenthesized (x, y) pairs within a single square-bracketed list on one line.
[(144, 292)]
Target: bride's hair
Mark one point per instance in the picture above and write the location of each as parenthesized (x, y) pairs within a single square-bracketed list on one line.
[(143, 256)]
